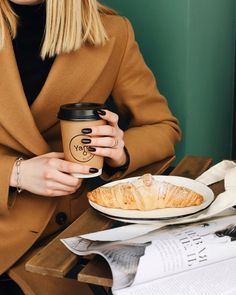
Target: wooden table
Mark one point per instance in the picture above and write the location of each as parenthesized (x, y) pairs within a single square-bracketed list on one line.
[(55, 260)]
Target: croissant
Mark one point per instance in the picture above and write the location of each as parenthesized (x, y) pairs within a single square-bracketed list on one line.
[(145, 193)]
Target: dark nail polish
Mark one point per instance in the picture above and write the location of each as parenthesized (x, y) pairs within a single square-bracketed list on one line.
[(93, 170), (86, 140), (91, 149), (86, 130), (101, 112)]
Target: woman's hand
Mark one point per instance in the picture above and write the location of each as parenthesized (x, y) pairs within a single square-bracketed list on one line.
[(49, 175), (107, 140)]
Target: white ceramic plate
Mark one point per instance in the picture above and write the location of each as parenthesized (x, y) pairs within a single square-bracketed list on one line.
[(158, 214)]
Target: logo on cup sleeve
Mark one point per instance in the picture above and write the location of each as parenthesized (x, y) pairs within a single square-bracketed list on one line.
[(79, 151)]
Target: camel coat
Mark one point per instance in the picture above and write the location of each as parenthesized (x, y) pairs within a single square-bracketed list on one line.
[(91, 74)]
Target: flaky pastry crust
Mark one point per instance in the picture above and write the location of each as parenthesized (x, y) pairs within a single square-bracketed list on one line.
[(145, 193)]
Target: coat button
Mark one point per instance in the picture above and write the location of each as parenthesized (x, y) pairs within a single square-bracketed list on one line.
[(61, 218)]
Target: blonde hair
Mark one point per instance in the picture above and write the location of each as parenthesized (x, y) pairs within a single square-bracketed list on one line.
[(69, 24)]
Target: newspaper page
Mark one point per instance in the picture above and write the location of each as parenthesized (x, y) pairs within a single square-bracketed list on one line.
[(212, 279), (165, 252)]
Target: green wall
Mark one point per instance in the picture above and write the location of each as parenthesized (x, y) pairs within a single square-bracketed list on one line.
[(189, 45)]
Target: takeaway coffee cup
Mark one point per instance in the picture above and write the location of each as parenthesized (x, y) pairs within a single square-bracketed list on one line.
[(73, 118)]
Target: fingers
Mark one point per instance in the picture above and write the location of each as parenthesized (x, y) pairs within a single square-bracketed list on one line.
[(67, 167), (64, 179), (111, 142), (59, 184), (104, 136), (55, 186), (106, 140), (104, 130), (106, 152), (110, 117), (55, 193)]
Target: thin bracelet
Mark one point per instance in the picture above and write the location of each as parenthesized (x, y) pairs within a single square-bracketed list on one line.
[(18, 178)]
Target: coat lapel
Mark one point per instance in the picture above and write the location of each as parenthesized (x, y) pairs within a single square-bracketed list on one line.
[(71, 77), (15, 115)]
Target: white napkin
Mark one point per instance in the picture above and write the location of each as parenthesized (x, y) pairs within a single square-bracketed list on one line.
[(230, 180), (224, 170), (219, 172)]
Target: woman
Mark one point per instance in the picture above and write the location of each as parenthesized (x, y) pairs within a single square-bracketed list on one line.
[(87, 53)]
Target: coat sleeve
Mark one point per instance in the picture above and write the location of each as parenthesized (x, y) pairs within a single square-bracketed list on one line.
[(6, 164), (152, 129)]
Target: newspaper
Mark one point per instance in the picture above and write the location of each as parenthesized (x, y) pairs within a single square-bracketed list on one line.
[(163, 252)]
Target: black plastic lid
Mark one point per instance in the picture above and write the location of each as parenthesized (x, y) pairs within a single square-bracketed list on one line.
[(80, 111)]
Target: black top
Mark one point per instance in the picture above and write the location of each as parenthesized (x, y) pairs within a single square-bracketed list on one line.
[(27, 45)]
